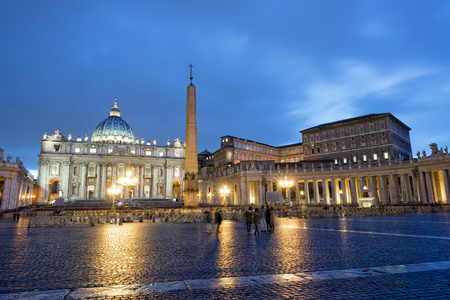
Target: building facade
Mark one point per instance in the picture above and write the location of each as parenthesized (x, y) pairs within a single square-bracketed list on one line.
[(16, 184), (337, 164), (83, 169)]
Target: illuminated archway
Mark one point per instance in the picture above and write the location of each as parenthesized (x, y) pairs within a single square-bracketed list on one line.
[(53, 189), (176, 189)]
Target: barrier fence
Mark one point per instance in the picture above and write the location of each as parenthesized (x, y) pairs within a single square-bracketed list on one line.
[(65, 218)]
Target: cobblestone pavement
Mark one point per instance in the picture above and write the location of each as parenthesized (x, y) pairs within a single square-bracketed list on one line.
[(61, 262)]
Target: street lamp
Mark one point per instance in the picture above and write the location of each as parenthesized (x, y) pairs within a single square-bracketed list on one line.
[(286, 184), (225, 191), (113, 191), (129, 182)]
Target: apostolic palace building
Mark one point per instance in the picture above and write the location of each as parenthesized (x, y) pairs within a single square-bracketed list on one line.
[(362, 161)]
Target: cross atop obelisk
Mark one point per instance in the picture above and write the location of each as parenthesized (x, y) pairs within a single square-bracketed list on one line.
[(190, 193), (190, 67)]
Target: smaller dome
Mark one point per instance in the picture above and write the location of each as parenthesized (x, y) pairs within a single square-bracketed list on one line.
[(113, 129)]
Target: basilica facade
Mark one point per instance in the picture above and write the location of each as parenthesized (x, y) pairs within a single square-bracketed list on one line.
[(84, 169)]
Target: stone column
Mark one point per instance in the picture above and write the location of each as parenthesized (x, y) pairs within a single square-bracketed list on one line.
[(326, 196), (316, 192), (393, 184), (154, 181), (409, 189), (362, 183), (384, 196), (261, 193), (423, 188), (83, 181), (404, 189), (344, 192), (334, 187), (97, 182), (446, 185), (373, 187), (353, 194), (114, 174), (103, 186), (415, 196), (307, 199), (429, 187), (297, 193), (288, 195), (137, 195), (141, 181)]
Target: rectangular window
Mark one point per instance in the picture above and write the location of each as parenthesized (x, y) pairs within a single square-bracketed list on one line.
[(386, 155), (148, 152), (344, 160), (364, 157), (355, 159), (110, 150), (77, 150), (161, 153), (133, 151), (92, 150), (375, 156)]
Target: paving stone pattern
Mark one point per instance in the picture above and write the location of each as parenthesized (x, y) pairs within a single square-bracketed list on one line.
[(72, 257)]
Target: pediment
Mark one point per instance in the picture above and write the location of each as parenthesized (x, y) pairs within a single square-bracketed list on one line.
[(121, 152)]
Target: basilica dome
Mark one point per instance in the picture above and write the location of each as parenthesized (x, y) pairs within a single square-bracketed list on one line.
[(113, 129)]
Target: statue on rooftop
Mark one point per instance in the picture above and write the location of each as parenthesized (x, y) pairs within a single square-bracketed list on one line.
[(434, 149)]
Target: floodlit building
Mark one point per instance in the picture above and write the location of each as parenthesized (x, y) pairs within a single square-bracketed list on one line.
[(72, 170), (347, 162), (16, 184)]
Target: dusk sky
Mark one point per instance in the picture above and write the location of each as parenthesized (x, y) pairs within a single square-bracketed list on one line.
[(264, 70)]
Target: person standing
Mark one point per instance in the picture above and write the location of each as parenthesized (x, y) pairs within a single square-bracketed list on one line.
[(272, 219), (208, 221), (248, 219), (262, 218), (267, 217), (256, 220), (218, 219)]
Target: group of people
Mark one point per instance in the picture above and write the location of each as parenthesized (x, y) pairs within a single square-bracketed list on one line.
[(260, 218)]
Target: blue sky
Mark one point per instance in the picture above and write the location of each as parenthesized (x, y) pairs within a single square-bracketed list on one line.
[(263, 69)]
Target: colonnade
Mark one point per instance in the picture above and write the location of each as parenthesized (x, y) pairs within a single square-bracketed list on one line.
[(17, 191), (402, 184)]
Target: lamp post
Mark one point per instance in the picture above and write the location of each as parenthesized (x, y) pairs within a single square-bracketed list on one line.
[(225, 191), (113, 191), (129, 182), (287, 184)]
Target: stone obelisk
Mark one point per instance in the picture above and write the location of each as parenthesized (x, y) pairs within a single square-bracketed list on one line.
[(191, 160)]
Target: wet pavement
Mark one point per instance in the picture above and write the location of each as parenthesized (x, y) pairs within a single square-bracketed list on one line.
[(382, 257)]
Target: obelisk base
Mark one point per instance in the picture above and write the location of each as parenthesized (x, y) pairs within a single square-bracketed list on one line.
[(190, 198)]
